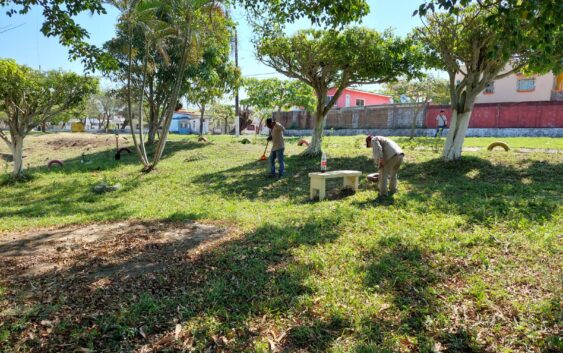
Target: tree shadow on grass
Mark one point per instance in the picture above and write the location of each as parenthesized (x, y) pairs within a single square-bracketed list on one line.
[(480, 191), (73, 194), (404, 272), (428, 143), (105, 160), (250, 180), (64, 199), (226, 289)]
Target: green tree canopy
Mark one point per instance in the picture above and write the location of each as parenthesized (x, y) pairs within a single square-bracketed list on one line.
[(535, 23), (483, 44), (426, 89), (274, 94), (60, 18), (329, 58), (153, 39), (29, 98), (210, 79), (59, 22), (223, 115)]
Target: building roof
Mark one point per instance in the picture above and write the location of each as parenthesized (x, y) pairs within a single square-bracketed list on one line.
[(181, 115), (368, 92), (361, 91), (186, 112)]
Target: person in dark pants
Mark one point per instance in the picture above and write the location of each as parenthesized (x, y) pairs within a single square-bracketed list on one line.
[(441, 123), (278, 146)]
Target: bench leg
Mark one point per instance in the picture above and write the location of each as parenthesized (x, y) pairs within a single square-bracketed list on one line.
[(322, 190), (318, 187), (352, 182)]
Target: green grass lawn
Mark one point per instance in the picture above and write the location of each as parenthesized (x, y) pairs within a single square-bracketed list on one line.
[(465, 258)]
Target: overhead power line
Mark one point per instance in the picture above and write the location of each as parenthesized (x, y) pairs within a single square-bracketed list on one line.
[(9, 28)]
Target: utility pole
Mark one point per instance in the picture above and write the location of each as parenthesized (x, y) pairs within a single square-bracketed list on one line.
[(237, 108)]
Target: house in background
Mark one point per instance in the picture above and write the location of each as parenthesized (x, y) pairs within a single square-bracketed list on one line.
[(517, 88), (351, 97), (185, 122)]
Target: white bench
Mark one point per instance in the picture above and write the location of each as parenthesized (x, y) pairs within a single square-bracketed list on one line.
[(318, 181)]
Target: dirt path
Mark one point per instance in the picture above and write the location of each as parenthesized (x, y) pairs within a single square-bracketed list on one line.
[(122, 248)]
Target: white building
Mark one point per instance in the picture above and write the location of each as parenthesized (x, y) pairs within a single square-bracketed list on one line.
[(185, 123)]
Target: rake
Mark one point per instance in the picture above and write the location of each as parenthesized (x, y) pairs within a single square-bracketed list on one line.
[(264, 158)]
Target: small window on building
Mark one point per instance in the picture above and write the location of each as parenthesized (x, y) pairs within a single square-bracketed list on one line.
[(457, 82), (327, 99), (526, 85), (359, 102), (490, 88)]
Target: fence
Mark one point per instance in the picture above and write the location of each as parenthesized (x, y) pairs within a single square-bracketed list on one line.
[(548, 114), (388, 116)]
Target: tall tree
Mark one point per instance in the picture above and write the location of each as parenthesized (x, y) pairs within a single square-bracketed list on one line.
[(419, 92), (482, 44), (187, 25), (274, 94), (210, 79), (223, 114), (159, 75), (30, 98), (436, 90), (328, 58), (105, 105)]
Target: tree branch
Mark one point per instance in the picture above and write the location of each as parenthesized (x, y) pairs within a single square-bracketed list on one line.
[(510, 72)]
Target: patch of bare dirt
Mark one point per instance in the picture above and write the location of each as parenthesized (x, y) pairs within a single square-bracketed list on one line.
[(80, 141), (78, 274), (91, 250)]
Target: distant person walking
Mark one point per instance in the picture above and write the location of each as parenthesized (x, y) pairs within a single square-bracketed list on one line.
[(387, 157), (441, 123), (278, 147)]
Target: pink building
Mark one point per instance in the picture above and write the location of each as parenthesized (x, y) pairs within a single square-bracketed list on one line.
[(355, 98)]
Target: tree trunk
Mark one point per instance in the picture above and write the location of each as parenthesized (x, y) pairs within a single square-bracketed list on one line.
[(315, 147), (172, 100), (151, 135), (124, 125), (140, 153), (17, 153), (259, 128), (456, 135), (201, 120), (153, 116)]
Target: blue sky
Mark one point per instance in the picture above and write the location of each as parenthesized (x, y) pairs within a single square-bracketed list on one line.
[(27, 45)]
